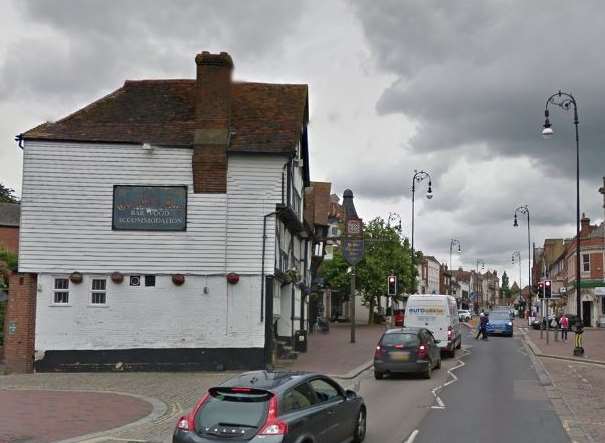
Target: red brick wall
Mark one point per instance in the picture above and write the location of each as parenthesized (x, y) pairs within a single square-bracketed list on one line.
[(9, 238), (21, 312)]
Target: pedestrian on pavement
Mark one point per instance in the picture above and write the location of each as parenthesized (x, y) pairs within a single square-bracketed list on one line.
[(564, 323)]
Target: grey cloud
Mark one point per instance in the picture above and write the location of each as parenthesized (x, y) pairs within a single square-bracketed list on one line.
[(96, 47), (478, 73)]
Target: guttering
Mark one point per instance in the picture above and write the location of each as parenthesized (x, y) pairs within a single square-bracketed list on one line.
[(262, 272)]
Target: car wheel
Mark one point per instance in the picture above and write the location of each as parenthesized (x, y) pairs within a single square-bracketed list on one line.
[(378, 375), (429, 370), (360, 427)]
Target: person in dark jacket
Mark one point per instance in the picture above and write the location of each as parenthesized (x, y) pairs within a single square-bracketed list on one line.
[(483, 319)]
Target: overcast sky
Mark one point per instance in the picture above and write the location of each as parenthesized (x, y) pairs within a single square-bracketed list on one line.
[(456, 88)]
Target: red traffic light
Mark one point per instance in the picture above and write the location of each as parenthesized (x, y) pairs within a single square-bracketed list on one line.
[(547, 282), (392, 279)]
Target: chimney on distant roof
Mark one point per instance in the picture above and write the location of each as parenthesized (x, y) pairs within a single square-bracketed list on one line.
[(213, 122), (584, 225)]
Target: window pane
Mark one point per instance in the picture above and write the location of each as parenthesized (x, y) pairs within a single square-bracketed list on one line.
[(98, 285), (400, 339), (61, 297), (98, 298), (61, 283), (297, 399), (323, 390)]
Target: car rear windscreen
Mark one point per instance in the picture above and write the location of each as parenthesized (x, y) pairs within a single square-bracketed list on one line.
[(239, 409), (399, 339)]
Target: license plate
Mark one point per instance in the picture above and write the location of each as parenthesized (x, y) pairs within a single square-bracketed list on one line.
[(399, 355)]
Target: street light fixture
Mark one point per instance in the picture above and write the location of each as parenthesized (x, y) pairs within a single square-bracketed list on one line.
[(418, 177), (565, 101), (525, 210), (479, 260), (453, 242)]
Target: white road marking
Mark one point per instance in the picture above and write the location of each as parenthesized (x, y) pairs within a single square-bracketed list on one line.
[(412, 437), (453, 379)]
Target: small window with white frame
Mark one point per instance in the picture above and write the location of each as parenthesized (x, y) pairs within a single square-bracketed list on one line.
[(99, 293), (61, 291), (586, 262)]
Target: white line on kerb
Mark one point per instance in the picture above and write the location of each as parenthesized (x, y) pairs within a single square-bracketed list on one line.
[(412, 437)]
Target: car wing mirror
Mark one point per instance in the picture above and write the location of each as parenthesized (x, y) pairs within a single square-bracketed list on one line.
[(350, 395), (437, 341)]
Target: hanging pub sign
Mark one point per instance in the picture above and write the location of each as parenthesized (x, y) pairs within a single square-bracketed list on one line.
[(149, 208), (352, 246)]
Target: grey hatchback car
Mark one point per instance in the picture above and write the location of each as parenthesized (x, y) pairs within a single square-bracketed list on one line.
[(406, 350), (275, 407)]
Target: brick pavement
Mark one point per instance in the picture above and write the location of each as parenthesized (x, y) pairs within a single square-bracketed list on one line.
[(594, 343), (578, 387), (333, 353), (170, 393), (44, 416)]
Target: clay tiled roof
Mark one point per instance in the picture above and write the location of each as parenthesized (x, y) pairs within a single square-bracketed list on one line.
[(265, 117), (322, 202)]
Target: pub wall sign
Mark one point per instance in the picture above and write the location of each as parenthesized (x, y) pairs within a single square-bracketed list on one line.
[(149, 208)]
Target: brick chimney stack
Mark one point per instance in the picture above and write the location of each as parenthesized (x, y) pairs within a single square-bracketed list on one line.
[(213, 118), (584, 225)]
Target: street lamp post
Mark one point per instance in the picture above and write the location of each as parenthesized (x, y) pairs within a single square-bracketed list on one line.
[(419, 176), (525, 210), (565, 101), (479, 260), (453, 242)]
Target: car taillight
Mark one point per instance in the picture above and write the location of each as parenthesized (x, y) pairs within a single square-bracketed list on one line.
[(273, 425), (422, 351), (378, 352), (449, 332), (183, 424), (187, 422)]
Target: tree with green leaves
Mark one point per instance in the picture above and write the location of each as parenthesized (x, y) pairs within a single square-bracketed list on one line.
[(504, 286), (386, 252), (7, 195)]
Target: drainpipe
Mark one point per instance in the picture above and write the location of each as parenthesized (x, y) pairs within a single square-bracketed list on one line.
[(262, 272)]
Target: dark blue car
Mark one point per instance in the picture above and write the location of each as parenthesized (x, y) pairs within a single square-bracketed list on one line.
[(499, 323)]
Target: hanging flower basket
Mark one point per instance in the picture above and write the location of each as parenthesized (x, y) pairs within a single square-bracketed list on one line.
[(233, 278), (178, 279), (117, 277), (75, 277)]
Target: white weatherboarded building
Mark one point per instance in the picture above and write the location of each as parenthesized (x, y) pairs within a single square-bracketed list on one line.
[(165, 225)]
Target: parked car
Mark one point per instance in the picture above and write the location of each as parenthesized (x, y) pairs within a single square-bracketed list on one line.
[(398, 317), (406, 350), (499, 323), (439, 314), (275, 407), (464, 315)]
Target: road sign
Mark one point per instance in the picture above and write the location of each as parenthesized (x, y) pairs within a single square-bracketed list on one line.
[(352, 246)]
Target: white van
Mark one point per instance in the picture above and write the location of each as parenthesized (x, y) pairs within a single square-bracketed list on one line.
[(439, 314)]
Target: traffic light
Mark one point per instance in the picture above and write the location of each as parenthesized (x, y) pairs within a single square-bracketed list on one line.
[(541, 290), (392, 285), (547, 289)]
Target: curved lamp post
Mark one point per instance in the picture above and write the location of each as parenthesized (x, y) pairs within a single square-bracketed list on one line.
[(418, 177), (565, 101), (453, 242), (477, 262), (516, 258), (525, 210)]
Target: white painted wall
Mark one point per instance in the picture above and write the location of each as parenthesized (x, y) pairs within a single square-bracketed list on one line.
[(164, 316), (66, 212)]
